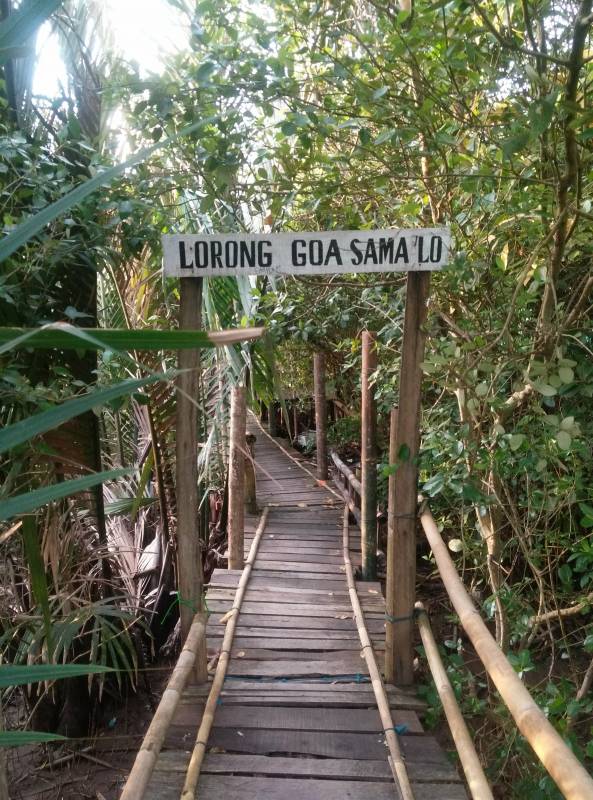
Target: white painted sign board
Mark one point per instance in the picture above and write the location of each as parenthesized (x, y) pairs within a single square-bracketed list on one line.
[(322, 253)]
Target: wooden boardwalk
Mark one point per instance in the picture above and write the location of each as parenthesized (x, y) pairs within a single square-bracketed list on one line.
[(297, 718)]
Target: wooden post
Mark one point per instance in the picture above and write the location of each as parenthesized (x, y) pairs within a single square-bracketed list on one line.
[(272, 418), (237, 478), (320, 414), (368, 521), (189, 555), (391, 554), (406, 477), (250, 485)]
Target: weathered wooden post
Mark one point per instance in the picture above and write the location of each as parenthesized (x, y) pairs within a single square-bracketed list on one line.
[(368, 459), (405, 496), (272, 419), (236, 522), (189, 555), (390, 587), (250, 485), (320, 414)]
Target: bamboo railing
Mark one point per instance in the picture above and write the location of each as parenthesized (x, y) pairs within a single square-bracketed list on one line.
[(570, 776), (348, 485), (155, 736), (472, 768)]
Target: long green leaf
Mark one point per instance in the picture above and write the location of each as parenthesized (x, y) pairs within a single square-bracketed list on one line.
[(22, 674), (37, 572), (20, 738), (26, 230), (23, 431), (19, 26), (25, 503), (64, 335)]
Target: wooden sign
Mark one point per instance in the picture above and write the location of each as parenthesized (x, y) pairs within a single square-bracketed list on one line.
[(323, 253)]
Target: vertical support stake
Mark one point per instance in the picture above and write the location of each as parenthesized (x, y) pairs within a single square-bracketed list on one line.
[(320, 415), (391, 553), (236, 523), (189, 553), (406, 477), (368, 517)]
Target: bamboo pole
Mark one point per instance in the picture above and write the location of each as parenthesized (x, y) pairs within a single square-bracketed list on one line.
[(396, 759), (189, 555), (569, 774), (406, 478), (472, 768), (320, 415), (368, 457), (236, 524), (392, 554), (199, 751), (152, 743)]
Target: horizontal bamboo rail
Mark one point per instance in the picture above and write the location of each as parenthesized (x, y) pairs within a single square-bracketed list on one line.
[(155, 735), (199, 751), (570, 776), (351, 489), (474, 774), (396, 760)]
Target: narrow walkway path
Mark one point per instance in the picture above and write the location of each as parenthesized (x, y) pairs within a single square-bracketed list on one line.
[(297, 721)]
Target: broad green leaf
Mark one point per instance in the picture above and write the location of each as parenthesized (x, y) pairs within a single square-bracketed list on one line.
[(565, 573), (20, 25), (544, 388), (516, 440), (34, 558), (564, 440), (22, 674), (144, 477), (23, 431), (25, 503), (21, 738), (26, 230), (64, 335), (566, 374)]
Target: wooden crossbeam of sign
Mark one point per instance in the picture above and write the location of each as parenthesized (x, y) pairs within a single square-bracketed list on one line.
[(319, 253)]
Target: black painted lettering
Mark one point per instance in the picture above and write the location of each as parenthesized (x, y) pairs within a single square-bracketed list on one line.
[(370, 253), (231, 253), (183, 259), (357, 258), (201, 255), (299, 257), (385, 250), (248, 254), (316, 252), (264, 254), (215, 253), (436, 249), (333, 251), (421, 259), (402, 252)]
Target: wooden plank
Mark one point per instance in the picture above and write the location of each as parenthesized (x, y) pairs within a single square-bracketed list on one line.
[(337, 600), (306, 767), (297, 566), (282, 609), (336, 623), (345, 699), (248, 634), (280, 580), (311, 719), (167, 786), (266, 655), (354, 665), (279, 644)]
